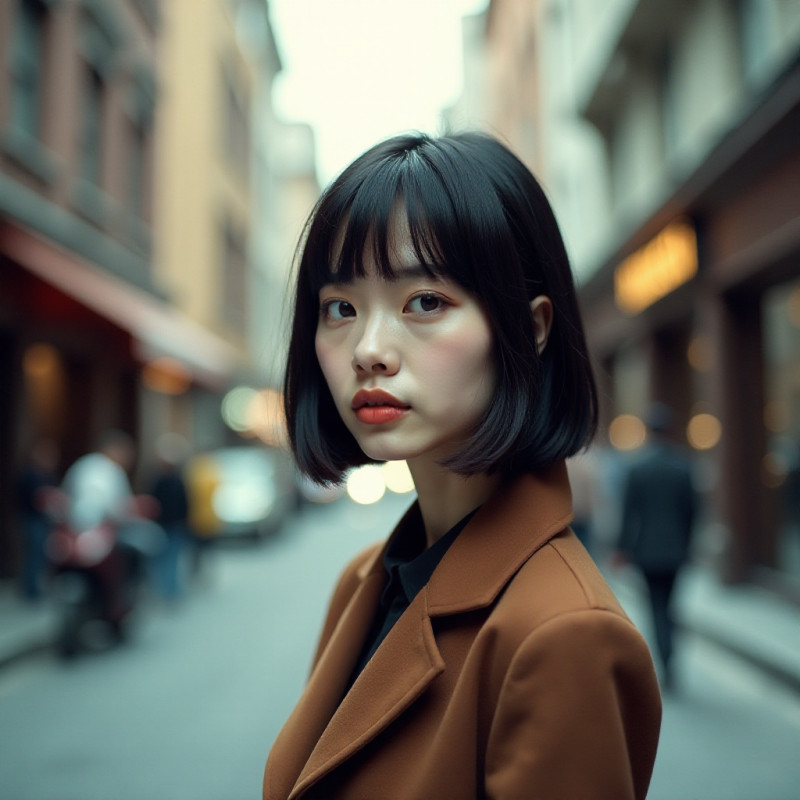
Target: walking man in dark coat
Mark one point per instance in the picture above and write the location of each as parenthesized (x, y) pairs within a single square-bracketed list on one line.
[(659, 508)]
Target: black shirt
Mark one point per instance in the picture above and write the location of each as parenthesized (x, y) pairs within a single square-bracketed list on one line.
[(409, 566)]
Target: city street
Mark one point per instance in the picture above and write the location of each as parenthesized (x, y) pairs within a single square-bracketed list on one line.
[(190, 707)]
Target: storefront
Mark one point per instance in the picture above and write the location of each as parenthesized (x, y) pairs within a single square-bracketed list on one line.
[(718, 339), (81, 351), (752, 298)]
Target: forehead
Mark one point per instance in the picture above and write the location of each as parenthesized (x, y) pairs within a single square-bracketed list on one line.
[(391, 249)]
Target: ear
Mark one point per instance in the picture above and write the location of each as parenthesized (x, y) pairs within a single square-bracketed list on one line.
[(542, 310)]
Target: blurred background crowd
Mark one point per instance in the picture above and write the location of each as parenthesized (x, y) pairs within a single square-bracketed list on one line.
[(152, 193)]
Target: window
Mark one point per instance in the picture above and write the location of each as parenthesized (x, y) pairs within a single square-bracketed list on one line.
[(140, 107), (669, 102), (98, 50), (137, 169), (92, 133), (234, 279), (781, 465), (26, 67), (236, 139), (754, 23)]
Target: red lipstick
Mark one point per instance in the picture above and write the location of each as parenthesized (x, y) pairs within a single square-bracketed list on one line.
[(376, 407)]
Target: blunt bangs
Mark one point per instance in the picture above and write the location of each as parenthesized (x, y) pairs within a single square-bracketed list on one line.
[(477, 216), (357, 223)]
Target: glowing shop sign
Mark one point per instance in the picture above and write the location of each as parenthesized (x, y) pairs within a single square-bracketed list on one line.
[(662, 265)]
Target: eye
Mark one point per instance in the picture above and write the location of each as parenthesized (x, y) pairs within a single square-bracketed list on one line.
[(426, 303), (337, 310)]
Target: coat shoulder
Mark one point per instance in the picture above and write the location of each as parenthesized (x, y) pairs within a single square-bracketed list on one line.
[(559, 578)]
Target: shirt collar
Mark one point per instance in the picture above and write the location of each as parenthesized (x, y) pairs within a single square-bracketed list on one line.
[(529, 510), (410, 564)]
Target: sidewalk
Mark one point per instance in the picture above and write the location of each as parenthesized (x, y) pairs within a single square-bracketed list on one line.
[(25, 628), (746, 620)]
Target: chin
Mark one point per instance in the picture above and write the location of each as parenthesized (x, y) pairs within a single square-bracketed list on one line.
[(376, 453), (379, 448), (402, 451)]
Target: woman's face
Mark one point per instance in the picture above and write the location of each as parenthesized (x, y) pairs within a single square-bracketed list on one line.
[(409, 361)]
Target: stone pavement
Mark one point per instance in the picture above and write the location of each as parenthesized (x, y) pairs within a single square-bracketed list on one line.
[(746, 620)]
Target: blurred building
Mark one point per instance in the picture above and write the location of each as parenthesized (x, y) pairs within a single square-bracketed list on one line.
[(129, 270), (217, 63), (666, 134), (78, 95), (234, 185), (471, 108), (288, 177)]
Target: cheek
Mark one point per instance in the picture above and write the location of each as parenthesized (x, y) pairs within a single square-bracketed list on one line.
[(463, 362)]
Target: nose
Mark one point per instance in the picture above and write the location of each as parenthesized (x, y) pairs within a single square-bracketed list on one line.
[(375, 352)]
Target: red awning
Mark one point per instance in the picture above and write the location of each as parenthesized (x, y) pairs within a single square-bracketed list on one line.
[(157, 328)]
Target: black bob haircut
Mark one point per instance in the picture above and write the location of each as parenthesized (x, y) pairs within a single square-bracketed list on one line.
[(477, 216)]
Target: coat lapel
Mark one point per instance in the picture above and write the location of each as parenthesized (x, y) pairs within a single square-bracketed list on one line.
[(518, 520), (515, 522), (410, 656), (323, 693)]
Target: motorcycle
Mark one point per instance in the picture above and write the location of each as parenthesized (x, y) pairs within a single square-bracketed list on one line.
[(97, 573)]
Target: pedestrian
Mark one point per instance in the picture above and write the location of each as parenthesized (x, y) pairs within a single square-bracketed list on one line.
[(98, 490), (658, 513), (97, 485), (478, 652), (202, 480), (38, 475), (169, 490)]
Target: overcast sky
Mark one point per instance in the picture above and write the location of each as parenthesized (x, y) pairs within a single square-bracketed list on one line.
[(361, 70)]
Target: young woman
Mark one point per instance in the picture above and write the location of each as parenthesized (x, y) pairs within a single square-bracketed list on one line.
[(478, 653)]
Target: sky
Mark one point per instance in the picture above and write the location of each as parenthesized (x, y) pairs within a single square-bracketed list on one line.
[(361, 70)]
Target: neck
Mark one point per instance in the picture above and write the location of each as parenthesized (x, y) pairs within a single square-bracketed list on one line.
[(445, 497)]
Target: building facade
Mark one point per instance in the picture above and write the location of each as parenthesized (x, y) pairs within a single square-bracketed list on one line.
[(78, 95), (289, 188), (126, 215), (668, 143), (217, 63)]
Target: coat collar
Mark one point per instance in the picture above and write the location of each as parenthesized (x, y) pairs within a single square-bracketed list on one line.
[(517, 520), (514, 523)]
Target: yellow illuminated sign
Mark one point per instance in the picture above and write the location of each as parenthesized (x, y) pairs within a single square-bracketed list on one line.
[(662, 265)]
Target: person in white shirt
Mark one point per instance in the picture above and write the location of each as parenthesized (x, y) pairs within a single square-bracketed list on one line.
[(97, 485)]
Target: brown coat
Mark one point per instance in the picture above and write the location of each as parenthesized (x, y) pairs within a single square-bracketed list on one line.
[(513, 674)]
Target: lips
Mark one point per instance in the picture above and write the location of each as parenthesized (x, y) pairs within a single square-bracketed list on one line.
[(376, 407), (376, 397)]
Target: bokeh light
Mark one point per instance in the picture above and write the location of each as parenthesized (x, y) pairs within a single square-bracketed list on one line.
[(366, 485), (235, 405), (398, 477), (265, 417), (703, 431), (627, 432), (39, 360)]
